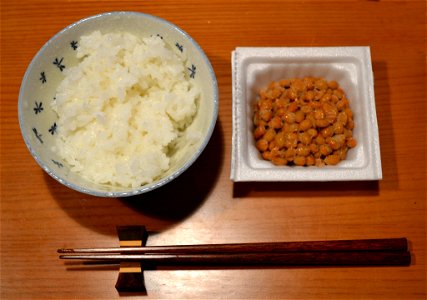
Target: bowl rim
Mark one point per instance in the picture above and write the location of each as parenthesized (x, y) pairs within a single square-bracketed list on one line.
[(147, 187)]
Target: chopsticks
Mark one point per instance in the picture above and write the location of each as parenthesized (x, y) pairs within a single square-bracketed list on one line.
[(392, 244), (347, 258), (366, 252)]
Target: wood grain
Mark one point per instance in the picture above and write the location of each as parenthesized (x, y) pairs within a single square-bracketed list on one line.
[(203, 206)]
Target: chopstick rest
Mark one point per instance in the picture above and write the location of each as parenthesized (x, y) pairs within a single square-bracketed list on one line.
[(131, 275)]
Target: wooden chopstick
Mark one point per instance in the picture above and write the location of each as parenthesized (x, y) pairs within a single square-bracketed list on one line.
[(380, 252), (311, 258), (390, 244)]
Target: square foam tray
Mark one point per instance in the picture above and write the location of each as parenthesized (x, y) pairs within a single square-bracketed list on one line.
[(254, 68)]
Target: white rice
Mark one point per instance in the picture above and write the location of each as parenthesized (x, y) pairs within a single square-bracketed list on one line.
[(122, 108)]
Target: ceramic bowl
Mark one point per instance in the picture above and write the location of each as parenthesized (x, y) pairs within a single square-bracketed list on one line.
[(38, 122)]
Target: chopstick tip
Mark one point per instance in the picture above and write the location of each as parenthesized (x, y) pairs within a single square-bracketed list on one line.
[(62, 250)]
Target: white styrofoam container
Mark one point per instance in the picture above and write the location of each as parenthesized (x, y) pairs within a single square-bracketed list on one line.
[(254, 67)]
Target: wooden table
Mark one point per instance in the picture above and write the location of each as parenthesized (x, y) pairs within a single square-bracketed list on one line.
[(38, 215)]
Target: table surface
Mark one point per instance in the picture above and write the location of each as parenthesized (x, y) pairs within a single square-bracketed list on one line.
[(39, 215)]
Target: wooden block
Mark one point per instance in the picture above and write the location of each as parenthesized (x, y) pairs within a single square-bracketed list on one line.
[(131, 276)]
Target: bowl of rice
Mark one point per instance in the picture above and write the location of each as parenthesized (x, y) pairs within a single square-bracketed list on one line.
[(118, 104)]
